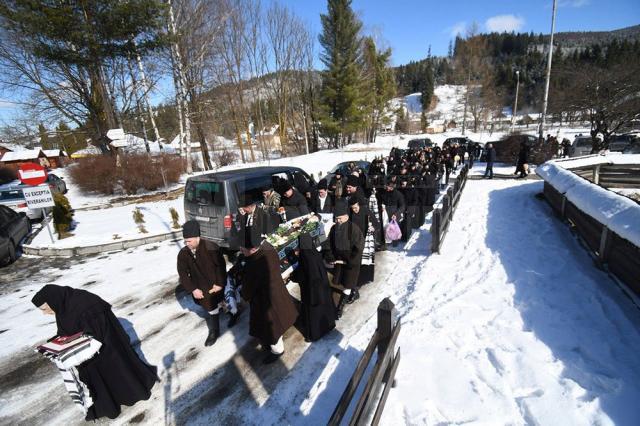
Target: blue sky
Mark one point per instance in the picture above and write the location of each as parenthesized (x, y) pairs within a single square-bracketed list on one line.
[(410, 26)]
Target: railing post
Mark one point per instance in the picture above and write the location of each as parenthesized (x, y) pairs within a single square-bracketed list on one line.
[(605, 244), (435, 231), (386, 316), (596, 174)]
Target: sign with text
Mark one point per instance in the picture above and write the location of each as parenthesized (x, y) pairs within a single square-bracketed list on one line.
[(38, 197)]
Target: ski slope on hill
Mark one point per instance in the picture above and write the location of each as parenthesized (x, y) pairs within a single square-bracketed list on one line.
[(513, 324)]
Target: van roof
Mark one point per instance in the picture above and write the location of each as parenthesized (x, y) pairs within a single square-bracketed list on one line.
[(244, 173)]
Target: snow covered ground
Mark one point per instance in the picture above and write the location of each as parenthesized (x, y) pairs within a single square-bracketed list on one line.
[(510, 324)]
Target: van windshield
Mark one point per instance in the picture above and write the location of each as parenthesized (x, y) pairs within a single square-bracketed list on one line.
[(205, 193)]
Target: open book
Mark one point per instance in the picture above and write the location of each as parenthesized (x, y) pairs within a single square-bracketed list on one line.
[(61, 344)]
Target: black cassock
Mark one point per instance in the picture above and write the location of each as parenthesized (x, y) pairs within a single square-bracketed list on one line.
[(116, 375), (317, 311)]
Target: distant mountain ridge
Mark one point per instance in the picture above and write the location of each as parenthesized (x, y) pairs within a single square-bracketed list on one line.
[(587, 38)]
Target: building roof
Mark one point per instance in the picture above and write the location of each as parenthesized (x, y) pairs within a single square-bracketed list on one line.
[(29, 154)]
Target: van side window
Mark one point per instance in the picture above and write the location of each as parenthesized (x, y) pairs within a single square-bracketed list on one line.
[(253, 186), (300, 181), (205, 193)]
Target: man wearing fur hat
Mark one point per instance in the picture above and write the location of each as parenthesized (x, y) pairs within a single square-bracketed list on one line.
[(203, 273), (354, 186), (292, 203), (347, 243), (253, 222)]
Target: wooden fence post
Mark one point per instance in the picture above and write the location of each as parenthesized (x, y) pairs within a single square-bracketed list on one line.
[(605, 244), (386, 316), (435, 231), (596, 174)]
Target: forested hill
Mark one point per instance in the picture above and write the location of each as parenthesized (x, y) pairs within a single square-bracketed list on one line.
[(494, 57), (588, 38)]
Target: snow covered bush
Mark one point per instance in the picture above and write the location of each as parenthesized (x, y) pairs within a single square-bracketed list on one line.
[(136, 173), (225, 158), (62, 215), (94, 174), (175, 218), (138, 218)]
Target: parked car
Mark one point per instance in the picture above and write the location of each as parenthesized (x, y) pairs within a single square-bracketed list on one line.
[(418, 144), (581, 145), (57, 184), (620, 142), (11, 196), (634, 148), (14, 228), (212, 198), (344, 168), (459, 140)]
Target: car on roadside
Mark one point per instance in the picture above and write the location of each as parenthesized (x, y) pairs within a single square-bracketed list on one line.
[(14, 228), (344, 168), (212, 198), (458, 140), (11, 195), (418, 144), (619, 143), (634, 148), (582, 145)]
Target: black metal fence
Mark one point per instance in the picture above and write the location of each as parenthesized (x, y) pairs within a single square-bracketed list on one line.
[(613, 253), (384, 370), (443, 215)]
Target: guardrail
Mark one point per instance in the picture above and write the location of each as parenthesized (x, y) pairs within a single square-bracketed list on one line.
[(611, 175), (615, 254), (442, 216), (384, 339)]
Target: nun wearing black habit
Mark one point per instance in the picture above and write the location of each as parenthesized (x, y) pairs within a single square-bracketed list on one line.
[(115, 375), (317, 311)]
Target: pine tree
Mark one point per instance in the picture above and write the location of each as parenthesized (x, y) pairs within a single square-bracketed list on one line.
[(341, 95)]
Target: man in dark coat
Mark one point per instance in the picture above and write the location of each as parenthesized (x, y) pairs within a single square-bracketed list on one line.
[(336, 185), (272, 310), (317, 310), (523, 158), (361, 216), (293, 203), (203, 273), (116, 375), (253, 222), (322, 202), (347, 243), (491, 158), (354, 187)]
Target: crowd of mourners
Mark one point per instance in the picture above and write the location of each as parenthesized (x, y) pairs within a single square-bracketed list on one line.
[(367, 210)]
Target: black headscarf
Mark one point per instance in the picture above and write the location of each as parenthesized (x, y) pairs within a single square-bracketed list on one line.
[(68, 304)]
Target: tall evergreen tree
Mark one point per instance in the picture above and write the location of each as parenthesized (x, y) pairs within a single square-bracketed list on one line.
[(341, 97)]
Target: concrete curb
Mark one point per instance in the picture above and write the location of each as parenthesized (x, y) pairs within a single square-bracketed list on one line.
[(100, 248)]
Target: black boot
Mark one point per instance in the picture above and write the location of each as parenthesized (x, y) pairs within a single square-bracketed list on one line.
[(213, 324), (355, 295), (341, 303)]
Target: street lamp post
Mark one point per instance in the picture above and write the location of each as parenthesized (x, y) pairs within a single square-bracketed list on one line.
[(549, 59), (515, 103)]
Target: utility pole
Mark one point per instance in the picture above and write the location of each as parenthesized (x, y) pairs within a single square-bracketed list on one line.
[(515, 103), (546, 89)]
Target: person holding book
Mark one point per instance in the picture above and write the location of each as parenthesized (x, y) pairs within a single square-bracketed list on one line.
[(115, 375), (203, 273)]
